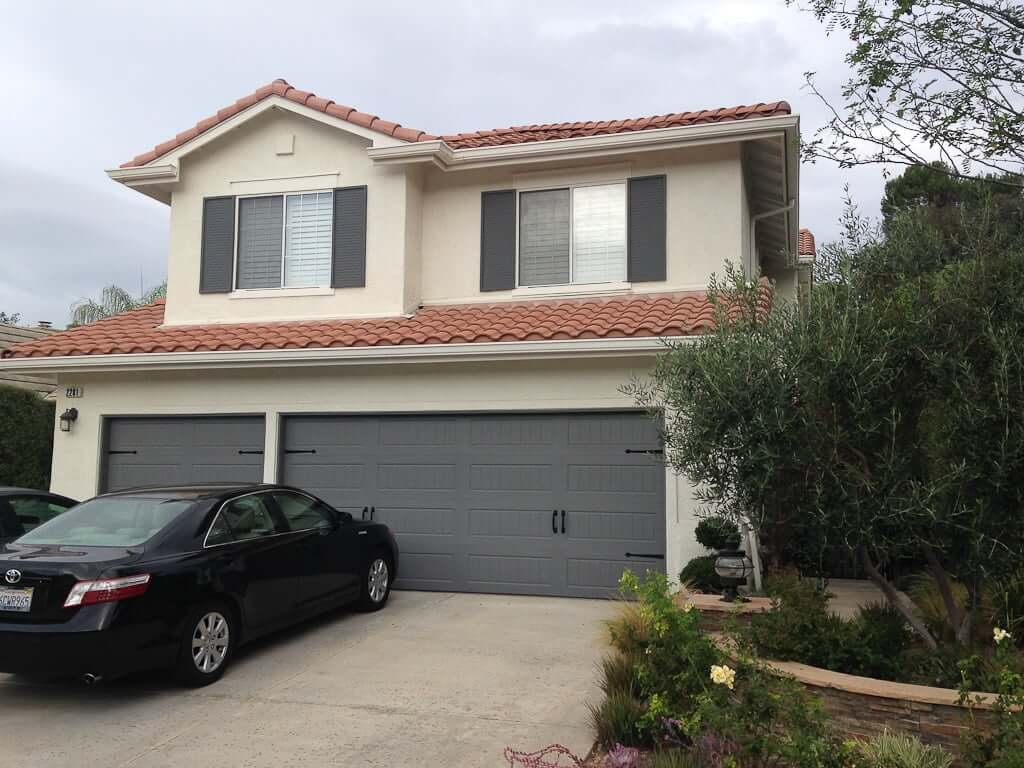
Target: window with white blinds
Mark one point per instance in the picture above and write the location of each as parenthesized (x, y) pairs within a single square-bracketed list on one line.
[(599, 233), (284, 241), (574, 235), (307, 239)]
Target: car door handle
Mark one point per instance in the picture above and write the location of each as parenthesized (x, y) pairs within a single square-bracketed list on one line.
[(363, 515), (554, 521), (373, 511), (563, 521)]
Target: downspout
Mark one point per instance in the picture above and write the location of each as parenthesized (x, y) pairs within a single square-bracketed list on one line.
[(750, 533), (753, 227)]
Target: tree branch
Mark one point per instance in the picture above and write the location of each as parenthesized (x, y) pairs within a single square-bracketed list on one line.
[(895, 600)]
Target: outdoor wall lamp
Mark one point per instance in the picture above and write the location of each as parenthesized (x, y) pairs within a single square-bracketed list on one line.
[(69, 417), (732, 566)]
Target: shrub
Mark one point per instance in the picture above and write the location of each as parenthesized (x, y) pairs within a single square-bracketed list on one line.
[(619, 674), (717, 533), (674, 758), (26, 438), (801, 628), (616, 721), (1006, 605), (630, 631), (1003, 745), (892, 750), (699, 575)]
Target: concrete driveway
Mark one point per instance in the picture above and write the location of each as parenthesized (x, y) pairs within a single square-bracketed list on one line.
[(434, 679)]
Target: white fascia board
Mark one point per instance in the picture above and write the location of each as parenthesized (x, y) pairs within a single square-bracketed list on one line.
[(440, 154), (287, 358), (147, 174)]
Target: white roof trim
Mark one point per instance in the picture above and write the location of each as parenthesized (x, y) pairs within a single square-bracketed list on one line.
[(446, 158), (644, 346)]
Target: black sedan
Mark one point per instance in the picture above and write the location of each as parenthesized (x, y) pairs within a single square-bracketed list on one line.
[(22, 509), (179, 578)]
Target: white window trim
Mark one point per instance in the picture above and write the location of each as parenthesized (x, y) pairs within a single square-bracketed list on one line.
[(572, 287), (281, 290)]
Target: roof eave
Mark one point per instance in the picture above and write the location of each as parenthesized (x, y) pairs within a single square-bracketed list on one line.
[(633, 346), (441, 155)]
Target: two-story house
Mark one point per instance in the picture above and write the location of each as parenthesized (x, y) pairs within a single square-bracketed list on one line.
[(432, 331)]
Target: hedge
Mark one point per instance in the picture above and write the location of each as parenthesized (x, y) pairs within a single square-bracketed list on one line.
[(26, 438)]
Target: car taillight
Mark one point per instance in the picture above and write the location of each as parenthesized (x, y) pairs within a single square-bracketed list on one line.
[(106, 590)]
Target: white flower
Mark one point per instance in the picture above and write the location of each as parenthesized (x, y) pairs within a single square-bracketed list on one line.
[(722, 675), (1000, 634), (688, 606)]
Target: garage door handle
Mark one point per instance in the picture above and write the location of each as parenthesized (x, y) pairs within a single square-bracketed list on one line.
[(121, 453), (554, 521), (250, 453), (645, 450), (563, 521), (296, 450), (365, 510), (651, 555), (373, 511)]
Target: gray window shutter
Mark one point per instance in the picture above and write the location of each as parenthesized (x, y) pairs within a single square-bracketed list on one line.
[(498, 241), (348, 246), (217, 255), (544, 223), (260, 233), (646, 228)]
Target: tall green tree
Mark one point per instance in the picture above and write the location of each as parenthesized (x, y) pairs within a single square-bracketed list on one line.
[(886, 417), (113, 301), (930, 80)]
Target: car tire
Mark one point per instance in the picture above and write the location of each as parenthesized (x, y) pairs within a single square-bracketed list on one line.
[(375, 582), (208, 642)]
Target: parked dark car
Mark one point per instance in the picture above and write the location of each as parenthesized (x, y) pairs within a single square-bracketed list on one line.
[(22, 509), (180, 577)]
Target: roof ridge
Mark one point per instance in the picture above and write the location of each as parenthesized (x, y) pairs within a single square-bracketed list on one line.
[(465, 140)]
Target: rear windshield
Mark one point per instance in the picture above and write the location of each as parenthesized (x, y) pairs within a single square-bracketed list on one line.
[(116, 521)]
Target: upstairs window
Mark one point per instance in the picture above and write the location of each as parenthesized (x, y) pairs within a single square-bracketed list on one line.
[(284, 241), (573, 235)]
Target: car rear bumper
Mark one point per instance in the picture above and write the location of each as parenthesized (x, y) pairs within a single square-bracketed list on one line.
[(106, 653)]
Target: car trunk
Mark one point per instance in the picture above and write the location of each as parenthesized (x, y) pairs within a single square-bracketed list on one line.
[(50, 572)]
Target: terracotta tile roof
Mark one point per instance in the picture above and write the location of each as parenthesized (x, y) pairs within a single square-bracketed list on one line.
[(141, 331), (495, 137), (807, 246), (522, 134)]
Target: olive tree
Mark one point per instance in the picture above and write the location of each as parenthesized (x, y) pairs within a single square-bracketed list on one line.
[(886, 417)]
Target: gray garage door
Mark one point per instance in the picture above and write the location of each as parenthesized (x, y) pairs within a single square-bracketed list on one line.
[(477, 501), (171, 450)]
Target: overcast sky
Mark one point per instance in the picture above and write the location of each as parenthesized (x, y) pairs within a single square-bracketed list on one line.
[(89, 85)]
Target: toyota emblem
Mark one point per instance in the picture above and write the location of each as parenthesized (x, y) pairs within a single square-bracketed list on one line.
[(12, 576)]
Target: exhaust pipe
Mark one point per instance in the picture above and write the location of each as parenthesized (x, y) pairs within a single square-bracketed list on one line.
[(90, 679)]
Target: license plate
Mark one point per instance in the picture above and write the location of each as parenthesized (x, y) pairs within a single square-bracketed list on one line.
[(16, 600)]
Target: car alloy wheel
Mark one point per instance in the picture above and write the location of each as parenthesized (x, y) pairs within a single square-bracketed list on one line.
[(377, 580), (210, 640)]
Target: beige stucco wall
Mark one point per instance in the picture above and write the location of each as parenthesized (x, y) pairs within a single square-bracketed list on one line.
[(245, 162), (450, 387), (704, 190), (423, 224)]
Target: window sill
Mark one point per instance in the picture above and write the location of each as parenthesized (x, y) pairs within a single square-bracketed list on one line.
[(581, 289), (275, 293)]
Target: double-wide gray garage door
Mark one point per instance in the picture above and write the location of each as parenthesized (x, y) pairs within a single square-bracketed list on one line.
[(177, 450), (546, 504)]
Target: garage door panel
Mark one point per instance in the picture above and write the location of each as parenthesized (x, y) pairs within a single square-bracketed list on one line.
[(594, 577), (626, 430), (516, 523), (625, 527), (416, 477), (512, 430), (417, 431), (615, 479), (510, 571), (165, 450), (511, 477), (422, 570)]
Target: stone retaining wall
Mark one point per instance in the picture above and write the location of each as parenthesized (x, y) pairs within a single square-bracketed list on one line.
[(862, 707)]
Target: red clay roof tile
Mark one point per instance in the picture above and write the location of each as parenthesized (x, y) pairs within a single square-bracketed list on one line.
[(807, 246), (141, 331), (470, 140)]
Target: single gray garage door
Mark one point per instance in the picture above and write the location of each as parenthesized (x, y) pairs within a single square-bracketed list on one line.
[(170, 450), (544, 504)]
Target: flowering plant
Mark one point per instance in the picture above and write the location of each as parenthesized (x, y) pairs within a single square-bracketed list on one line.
[(723, 675)]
